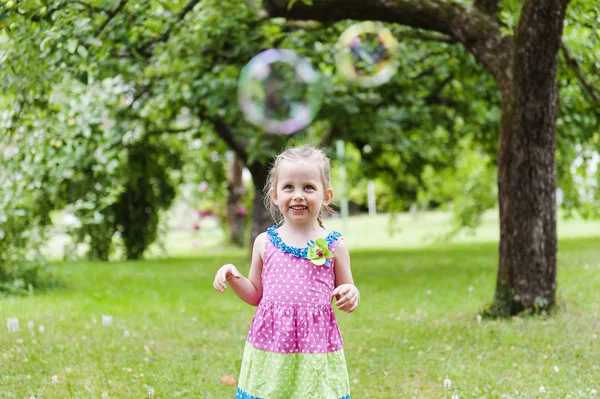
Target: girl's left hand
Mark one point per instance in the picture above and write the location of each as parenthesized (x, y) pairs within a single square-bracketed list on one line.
[(347, 297)]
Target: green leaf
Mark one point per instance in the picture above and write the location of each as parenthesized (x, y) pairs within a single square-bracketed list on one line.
[(72, 45), (82, 51)]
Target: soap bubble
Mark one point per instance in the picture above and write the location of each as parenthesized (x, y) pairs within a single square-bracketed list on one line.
[(367, 54), (279, 91)]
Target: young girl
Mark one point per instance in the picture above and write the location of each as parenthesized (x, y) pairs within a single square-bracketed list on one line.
[(294, 348)]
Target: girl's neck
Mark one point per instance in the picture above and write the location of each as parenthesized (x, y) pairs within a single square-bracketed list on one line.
[(301, 233)]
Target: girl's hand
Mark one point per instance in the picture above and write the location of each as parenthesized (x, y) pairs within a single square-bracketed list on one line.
[(347, 297), (225, 273)]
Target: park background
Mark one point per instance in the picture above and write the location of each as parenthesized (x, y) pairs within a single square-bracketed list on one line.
[(128, 175)]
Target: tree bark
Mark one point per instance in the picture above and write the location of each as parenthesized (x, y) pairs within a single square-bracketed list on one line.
[(261, 219), (527, 164), (236, 214), (525, 72)]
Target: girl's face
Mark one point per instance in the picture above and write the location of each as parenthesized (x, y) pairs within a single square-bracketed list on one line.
[(299, 192)]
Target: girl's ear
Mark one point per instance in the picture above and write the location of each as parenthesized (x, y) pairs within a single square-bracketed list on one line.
[(328, 196), (273, 194)]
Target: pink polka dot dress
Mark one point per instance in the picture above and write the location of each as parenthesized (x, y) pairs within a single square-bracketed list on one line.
[(294, 348)]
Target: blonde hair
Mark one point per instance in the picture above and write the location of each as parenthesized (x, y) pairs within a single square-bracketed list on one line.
[(306, 154)]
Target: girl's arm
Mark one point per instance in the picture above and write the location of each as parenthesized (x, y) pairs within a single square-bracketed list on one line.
[(248, 289), (348, 296)]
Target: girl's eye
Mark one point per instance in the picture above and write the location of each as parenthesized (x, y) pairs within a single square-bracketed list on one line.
[(287, 186), (309, 187)]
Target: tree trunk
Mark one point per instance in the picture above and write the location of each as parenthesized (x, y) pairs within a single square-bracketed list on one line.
[(527, 165), (236, 214), (261, 219)]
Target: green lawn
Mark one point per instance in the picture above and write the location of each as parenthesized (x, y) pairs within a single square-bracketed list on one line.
[(416, 325)]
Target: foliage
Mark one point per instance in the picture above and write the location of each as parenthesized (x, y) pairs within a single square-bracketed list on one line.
[(87, 85)]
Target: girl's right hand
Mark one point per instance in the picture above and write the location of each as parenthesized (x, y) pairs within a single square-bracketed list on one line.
[(225, 273)]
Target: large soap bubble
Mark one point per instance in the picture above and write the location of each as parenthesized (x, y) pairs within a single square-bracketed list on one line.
[(279, 91), (367, 54)]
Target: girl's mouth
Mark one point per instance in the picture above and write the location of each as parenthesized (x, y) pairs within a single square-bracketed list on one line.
[(298, 208)]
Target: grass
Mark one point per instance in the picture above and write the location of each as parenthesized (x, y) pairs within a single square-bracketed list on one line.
[(415, 326)]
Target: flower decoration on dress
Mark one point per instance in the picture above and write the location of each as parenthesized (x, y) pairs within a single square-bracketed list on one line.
[(318, 252)]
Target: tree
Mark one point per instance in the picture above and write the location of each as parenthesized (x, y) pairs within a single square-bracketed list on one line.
[(524, 66), (90, 81)]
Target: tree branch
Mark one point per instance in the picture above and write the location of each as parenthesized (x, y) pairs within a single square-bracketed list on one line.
[(333, 133), (427, 37), (223, 130), (473, 28), (572, 63), (110, 17)]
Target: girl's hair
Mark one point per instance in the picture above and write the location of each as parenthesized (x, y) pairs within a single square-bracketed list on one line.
[(308, 154)]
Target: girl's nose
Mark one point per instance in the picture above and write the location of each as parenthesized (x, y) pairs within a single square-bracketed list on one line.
[(298, 195)]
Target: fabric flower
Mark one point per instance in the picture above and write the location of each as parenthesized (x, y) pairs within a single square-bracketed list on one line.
[(318, 252)]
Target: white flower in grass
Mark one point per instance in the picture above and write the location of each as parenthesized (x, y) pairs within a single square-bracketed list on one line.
[(455, 397), (41, 329), (104, 395), (54, 379), (555, 368), (447, 382), (542, 390), (107, 320), (30, 325), (32, 397), (470, 288), (150, 393), (593, 392), (13, 324), (479, 318), (126, 334)]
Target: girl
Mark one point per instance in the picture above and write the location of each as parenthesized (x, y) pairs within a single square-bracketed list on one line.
[(294, 348)]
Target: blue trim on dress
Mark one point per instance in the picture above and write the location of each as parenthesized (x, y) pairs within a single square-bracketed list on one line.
[(240, 394), (298, 252)]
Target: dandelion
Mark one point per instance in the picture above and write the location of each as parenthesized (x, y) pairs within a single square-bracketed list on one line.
[(454, 396), (479, 319), (54, 379), (593, 392), (41, 329), (126, 334), (107, 320), (13, 324), (555, 368), (104, 395), (150, 393), (447, 382), (30, 325), (542, 390)]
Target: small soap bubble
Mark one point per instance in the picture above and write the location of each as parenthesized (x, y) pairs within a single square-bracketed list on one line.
[(367, 54)]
